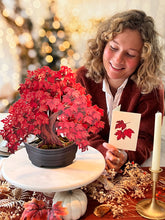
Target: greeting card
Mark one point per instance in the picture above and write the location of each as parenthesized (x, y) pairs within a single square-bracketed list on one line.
[(124, 130)]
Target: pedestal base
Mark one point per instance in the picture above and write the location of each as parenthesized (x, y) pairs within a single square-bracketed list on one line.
[(151, 209)]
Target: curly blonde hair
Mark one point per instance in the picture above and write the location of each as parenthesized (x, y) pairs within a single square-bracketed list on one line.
[(148, 74)]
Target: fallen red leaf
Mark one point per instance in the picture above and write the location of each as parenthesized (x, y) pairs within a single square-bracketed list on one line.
[(34, 210), (57, 211)]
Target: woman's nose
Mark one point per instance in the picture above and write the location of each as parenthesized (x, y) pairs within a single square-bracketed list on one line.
[(119, 57)]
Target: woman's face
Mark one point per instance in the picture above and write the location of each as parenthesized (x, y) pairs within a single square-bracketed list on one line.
[(121, 56)]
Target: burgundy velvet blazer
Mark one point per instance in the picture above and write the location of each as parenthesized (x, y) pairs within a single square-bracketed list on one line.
[(131, 101)]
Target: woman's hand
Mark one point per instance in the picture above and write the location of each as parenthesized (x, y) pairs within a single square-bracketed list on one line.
[(115, 158)]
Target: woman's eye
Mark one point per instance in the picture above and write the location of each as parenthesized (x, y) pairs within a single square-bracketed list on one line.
[(130, 55), (113, 48)]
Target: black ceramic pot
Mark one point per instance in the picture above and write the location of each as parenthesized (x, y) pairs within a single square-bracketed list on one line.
[(51, 158)]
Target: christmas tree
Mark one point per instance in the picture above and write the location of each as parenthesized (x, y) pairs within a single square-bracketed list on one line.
[(53, 46)]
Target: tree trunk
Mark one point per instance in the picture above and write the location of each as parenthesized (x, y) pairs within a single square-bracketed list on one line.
[(48, 132)]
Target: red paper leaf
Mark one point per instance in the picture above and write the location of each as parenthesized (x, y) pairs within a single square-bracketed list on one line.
[(120, 124), (128, 132), (120, 134), (53, 103)]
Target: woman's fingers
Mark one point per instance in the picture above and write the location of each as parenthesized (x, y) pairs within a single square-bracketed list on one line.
[(115, 158), (115, 151)]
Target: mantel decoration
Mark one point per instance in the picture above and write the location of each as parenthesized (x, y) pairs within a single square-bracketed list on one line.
[(56, 110)]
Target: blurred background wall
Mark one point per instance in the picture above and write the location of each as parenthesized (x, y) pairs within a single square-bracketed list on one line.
[(34, 33)]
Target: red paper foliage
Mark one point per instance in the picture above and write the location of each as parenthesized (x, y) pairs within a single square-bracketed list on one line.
[(52, 103)]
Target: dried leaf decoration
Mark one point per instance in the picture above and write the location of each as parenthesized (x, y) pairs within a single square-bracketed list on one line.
[(122, 131), (9, 197), (113, 189), (4, 188), (10, 203), (5, 215), (101, 210), (37, 210)]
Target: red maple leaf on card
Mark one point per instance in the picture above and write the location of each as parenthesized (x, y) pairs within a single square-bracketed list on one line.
[(120, 134), (122, 131), (128, 132), (120, 124)]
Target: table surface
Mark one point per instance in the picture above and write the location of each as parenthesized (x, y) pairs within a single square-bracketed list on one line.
[(18, 170), (129, 205), (130, 212)]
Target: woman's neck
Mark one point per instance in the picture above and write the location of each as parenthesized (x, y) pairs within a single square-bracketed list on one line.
[(113, 90), (114, 85)]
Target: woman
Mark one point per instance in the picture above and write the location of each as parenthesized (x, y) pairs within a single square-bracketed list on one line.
[(123, 68)]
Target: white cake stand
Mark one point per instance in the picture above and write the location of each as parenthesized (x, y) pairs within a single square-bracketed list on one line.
[(18, 170)]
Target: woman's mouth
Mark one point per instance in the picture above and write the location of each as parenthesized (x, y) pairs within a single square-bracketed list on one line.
[(116, 67)]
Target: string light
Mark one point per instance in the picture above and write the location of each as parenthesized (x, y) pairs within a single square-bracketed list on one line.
[(8, 36), (66, 44), (36, 4), (49, 58), (5, 13), (52, 39), (32, 53), (64, 61), (19, 21), (10, 72), (42, 32), (56, 24), (29, 11), (78, 25)]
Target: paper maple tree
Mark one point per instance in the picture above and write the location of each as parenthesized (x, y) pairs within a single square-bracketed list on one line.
[(52, 106)]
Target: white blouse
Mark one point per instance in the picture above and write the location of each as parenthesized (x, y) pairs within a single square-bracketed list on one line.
[(112, 102)]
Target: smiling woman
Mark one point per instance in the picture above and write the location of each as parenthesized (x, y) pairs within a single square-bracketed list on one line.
[(121, 57), (122, 68)]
